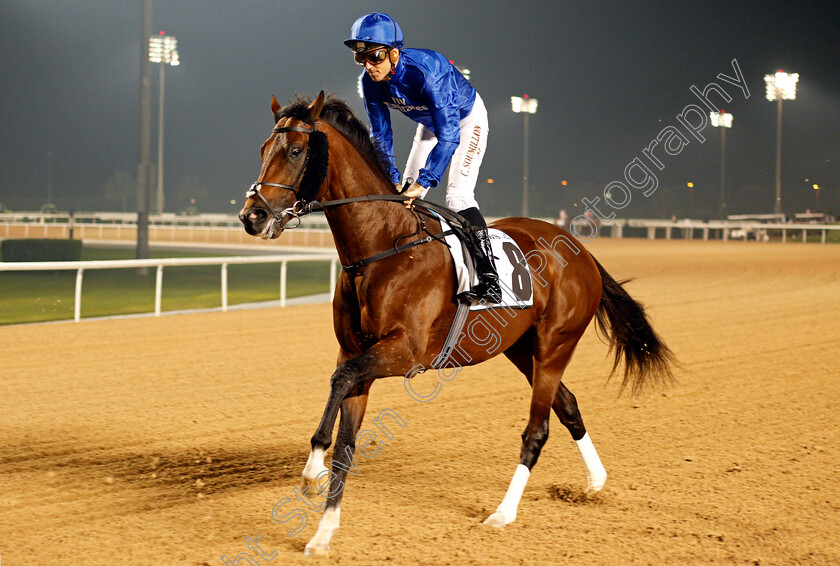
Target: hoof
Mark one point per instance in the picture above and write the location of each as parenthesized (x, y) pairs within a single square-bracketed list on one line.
[(497, 520), (316, 551), (596, 483)]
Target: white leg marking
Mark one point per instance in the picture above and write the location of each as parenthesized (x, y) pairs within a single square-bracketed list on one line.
[(314, 466), (319, 545), (506, 512), (596, 475)]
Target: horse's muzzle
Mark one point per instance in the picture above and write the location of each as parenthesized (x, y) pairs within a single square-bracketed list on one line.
[(254, 219)]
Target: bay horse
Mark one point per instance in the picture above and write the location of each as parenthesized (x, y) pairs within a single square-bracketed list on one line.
[(392, 316)]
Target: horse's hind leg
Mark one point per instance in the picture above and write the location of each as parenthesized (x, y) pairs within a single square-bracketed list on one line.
[(533, 439), (566, 409), (544, 373), (544, 378)]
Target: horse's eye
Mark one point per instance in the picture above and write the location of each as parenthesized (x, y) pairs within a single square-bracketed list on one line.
[(295, 152)]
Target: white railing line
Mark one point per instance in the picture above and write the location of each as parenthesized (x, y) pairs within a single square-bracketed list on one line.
[(219, 220), (160, 263), (170, 261)]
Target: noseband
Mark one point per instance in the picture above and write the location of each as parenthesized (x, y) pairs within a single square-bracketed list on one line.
[(299, 207)]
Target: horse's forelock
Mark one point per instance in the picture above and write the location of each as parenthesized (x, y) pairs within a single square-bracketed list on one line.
[(298, 108)]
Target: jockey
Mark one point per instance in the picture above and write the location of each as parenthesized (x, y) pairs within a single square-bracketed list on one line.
[(452, 125)]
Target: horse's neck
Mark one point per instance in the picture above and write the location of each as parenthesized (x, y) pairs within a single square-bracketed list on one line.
[(365, 228)]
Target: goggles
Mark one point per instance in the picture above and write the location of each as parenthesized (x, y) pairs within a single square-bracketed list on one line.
[(374, 57)]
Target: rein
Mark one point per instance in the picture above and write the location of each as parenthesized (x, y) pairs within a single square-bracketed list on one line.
[(301, 207), (452, 217)]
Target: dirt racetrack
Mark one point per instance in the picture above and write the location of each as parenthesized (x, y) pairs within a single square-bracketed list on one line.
[(166, 441)]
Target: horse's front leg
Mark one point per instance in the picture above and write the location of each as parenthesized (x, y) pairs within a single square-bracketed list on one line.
[(315, 463), (390, 356), (315, 466), (322, 439), (331, 484)]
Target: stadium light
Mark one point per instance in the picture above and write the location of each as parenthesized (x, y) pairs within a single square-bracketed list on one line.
[(524, 105), (722, 120), (163, 49), (461, 69), (781, 86)]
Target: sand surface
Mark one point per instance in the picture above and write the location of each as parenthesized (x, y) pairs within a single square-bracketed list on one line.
[(166, 441)]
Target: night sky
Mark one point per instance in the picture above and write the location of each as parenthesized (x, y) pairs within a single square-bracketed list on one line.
[(609, 77)]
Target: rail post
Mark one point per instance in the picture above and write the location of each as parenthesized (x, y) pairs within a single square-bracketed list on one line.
[(158, 288), (77, 307), (224, 287), (283, 265)]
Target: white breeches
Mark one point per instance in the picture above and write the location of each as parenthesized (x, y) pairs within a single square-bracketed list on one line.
[(465, 163)]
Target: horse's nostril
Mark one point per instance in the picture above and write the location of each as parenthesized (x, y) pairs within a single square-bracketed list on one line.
[(253, 215)]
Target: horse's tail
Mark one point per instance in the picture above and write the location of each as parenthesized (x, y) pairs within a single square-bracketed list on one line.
[(647, 360)]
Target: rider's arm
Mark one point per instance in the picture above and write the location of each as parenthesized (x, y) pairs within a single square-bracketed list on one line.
[(379, 118), (445, 119)]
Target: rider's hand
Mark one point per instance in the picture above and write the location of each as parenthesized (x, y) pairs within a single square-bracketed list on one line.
[(414, 191), (398, 186)]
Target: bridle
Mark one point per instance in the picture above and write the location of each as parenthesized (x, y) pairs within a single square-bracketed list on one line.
[(302, 207), (299, 208)]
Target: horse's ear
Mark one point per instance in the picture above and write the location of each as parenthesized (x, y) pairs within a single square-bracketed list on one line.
[(316, 106), (275, 108)]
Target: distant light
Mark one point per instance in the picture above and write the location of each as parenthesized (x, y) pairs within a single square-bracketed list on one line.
[(463, 70), (564, 183), (816, 187), (690, 185), (523, 104), (721, 119), (490, 181), (164, 49), (232, 201), (161, 33), (525, 96), (781, 86)]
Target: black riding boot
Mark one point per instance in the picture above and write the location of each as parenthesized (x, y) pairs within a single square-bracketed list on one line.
[(488, 280)]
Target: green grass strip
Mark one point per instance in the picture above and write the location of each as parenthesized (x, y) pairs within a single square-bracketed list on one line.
[(38, 296)]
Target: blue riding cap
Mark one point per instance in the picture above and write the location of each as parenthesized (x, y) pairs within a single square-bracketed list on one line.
[(375, 28)]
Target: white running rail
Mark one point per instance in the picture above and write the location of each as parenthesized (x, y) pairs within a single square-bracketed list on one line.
[(80, 266)]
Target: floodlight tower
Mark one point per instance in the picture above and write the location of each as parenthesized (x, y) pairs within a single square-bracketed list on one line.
[(524, 105), (781, 86), (163, 49)]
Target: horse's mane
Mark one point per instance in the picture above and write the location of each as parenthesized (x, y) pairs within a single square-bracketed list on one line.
[(338, 114)]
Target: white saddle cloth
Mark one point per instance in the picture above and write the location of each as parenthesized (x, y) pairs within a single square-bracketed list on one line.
[(514, 274)]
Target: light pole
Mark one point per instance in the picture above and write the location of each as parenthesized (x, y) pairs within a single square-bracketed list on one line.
[(524, 105), (143, 165), (49, 177), (722, 120), (163, 49), (781, 86)]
